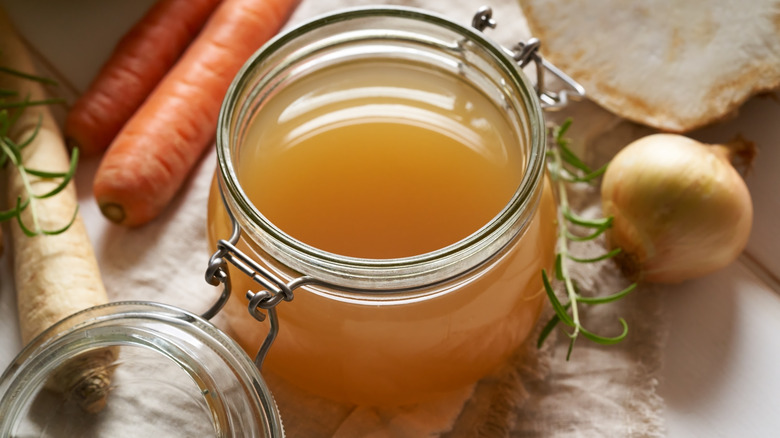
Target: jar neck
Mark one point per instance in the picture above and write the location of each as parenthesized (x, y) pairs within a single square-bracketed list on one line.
[(398, 34)]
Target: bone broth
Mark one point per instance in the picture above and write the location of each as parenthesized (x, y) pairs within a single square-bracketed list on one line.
[(379, 162)]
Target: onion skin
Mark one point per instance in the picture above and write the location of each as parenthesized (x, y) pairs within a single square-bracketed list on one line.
[(680, 209)]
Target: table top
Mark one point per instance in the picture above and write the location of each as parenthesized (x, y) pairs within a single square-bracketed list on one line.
[(719, 369)]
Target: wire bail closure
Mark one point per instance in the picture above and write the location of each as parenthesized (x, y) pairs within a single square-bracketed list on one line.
[(273, 290), (526, 52)]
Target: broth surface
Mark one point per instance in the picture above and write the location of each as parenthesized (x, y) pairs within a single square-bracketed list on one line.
[(380, 160)]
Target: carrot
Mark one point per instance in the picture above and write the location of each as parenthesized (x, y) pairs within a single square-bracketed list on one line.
[(55, 275), (138, 63), (150, 158)]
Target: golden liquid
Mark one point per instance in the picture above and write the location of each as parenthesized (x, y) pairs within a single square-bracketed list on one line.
[(383, 161)]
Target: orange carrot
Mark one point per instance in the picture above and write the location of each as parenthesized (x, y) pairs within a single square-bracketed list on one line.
[(139, 61), (150, 158)]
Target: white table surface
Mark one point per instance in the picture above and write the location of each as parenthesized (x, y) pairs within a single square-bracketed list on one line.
[(720, 375)]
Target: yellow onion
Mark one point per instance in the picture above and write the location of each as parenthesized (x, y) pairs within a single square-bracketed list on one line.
[(680, 209)]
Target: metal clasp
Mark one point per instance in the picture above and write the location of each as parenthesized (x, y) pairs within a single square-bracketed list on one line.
[(524, 53), (273, 290)]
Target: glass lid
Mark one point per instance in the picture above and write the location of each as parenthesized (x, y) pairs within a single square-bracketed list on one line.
[(150, 370)]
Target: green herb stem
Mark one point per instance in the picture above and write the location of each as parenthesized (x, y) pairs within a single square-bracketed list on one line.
[(28, 103), (563, 247), (10, 151), (28, 76), (15, 158), (565, 167)]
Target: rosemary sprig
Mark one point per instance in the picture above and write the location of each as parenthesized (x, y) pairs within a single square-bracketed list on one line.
[(11, 152), (565, 167), (27, 76)]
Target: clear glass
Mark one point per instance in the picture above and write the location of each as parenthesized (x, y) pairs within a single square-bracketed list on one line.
[(394, 330), (176, 375)]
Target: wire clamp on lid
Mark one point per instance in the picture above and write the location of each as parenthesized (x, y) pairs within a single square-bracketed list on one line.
[(525, 53), (272, 292)]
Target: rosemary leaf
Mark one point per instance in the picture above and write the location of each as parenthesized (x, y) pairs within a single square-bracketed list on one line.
[(608, 298), (10, 152), (33, 134), (560, 130), (570, 158), (64, 228), (559, 275), (548, 328), (604, 340), (45, 174), (27, 76), (575, 238), (25, 104), (559, 308), (66, 177), (590, 223), (608, 255), (5, 122), (28, 232), (11, 213), (587, 178), (572, 340)]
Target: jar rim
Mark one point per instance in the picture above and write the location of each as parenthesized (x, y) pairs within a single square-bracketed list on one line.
[(523, 199)]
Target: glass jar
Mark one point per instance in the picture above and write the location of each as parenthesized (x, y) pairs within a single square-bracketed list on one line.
[(371, 323), (176, 375)]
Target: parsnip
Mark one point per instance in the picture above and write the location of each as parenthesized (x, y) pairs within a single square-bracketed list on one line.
[(55, 275)]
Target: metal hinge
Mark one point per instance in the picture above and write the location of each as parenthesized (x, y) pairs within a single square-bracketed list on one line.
[(526, 52)]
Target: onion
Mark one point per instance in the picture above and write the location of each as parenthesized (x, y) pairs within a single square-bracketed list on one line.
[(680, 209)]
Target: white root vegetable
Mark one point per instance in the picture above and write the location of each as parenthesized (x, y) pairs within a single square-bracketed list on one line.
[(673, 65), (55, 275), (680, 209)]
